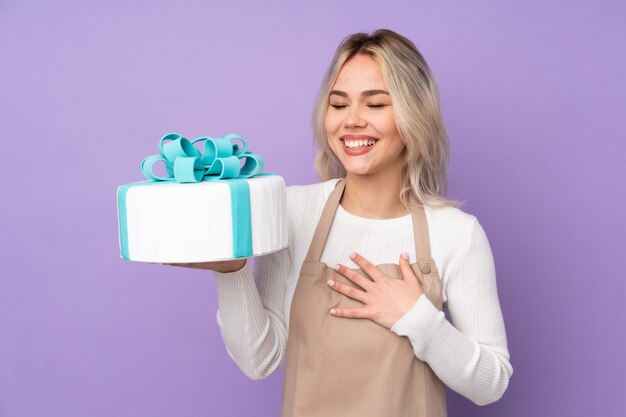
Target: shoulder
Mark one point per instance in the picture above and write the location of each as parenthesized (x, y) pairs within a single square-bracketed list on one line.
[(451, 230), (310, 192), (450, 218), (305, 202)]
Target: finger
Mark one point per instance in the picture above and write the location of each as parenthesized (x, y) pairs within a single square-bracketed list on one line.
[(405, 268), (353, 313), (180, 265), (367, 267), (351, 292), (354, 276)]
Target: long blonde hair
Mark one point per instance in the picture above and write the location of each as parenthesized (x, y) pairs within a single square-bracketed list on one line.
[(415, 101)]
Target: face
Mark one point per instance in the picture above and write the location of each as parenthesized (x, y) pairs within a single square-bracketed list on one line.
[(360, 124)]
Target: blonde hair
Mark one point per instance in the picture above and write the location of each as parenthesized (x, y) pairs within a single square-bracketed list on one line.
[(415, 101)]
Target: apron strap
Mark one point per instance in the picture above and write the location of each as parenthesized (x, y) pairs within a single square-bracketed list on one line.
[(420, 234), (323, 227)]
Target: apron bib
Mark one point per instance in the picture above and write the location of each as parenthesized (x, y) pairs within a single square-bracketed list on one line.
[(346, 367)]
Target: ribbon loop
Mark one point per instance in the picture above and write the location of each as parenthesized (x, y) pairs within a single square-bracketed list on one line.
[(168, 136), (148, 163), (188, 169), (237, 149), (252, 166)]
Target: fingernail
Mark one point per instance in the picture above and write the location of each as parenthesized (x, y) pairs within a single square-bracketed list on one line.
[(352, 255), (337, 267), (405, 256), (330, 282), (333, 311)]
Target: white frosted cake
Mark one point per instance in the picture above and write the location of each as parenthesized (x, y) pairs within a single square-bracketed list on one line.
[(169, 222)]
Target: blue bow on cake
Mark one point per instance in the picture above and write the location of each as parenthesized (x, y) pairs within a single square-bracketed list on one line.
[(220, 159)]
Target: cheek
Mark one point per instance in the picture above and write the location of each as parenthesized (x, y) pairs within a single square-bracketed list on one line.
[(327, 126), (389, 129), (331, 124), (331, 131), (389, 125)]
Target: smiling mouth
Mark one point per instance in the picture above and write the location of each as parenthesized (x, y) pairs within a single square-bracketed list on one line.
[(358, 144)]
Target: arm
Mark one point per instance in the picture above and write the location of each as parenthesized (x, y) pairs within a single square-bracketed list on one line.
[(470, 356), (250, 314)]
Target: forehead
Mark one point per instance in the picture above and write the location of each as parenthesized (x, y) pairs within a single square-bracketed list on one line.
[(361, 72)]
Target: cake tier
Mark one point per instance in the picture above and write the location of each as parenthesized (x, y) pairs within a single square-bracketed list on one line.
[(168, 222)]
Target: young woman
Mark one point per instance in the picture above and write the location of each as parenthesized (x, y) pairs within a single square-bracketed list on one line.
[(355, 304)]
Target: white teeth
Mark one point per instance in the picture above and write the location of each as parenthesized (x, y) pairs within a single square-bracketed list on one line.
[(357, 144)]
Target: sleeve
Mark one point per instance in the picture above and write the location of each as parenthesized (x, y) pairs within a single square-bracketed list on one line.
[(469, 354), (250, 314)]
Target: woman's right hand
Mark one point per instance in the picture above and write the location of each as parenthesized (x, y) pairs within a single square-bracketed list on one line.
[(219, 266)]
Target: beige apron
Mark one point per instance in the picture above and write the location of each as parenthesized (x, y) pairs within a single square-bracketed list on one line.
[(348, 367)]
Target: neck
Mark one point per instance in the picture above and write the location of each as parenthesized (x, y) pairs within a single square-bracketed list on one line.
[(374, 196)]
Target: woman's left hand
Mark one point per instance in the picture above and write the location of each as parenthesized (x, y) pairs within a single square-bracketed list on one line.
[(386, 299)]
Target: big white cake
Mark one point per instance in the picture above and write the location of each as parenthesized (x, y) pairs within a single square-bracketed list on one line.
[(169, 222)]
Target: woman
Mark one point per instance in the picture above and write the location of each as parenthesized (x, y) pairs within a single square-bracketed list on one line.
[(368, 336)]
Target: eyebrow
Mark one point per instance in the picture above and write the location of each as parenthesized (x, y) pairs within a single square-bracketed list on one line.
[(366, 93)]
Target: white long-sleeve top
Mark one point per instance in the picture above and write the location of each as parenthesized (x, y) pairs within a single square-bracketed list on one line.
[(469, 354)]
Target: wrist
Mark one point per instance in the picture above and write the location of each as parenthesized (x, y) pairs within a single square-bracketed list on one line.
[(233, 267)]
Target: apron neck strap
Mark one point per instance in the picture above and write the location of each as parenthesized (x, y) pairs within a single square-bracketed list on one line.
[(323, 227), (420, 226)]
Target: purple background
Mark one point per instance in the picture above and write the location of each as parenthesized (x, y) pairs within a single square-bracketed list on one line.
[(533, 95)]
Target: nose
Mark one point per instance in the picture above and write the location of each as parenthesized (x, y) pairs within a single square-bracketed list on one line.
[(354, 118)]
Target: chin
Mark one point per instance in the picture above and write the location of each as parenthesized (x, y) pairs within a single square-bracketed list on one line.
[(360, 170)]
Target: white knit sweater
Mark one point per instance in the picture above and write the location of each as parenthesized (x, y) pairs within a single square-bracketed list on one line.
[(469, 355)]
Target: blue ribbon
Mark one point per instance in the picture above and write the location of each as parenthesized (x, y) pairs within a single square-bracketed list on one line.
[(218, 161)]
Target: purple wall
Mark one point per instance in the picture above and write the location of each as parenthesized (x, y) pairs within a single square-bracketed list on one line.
[(533, 95)]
